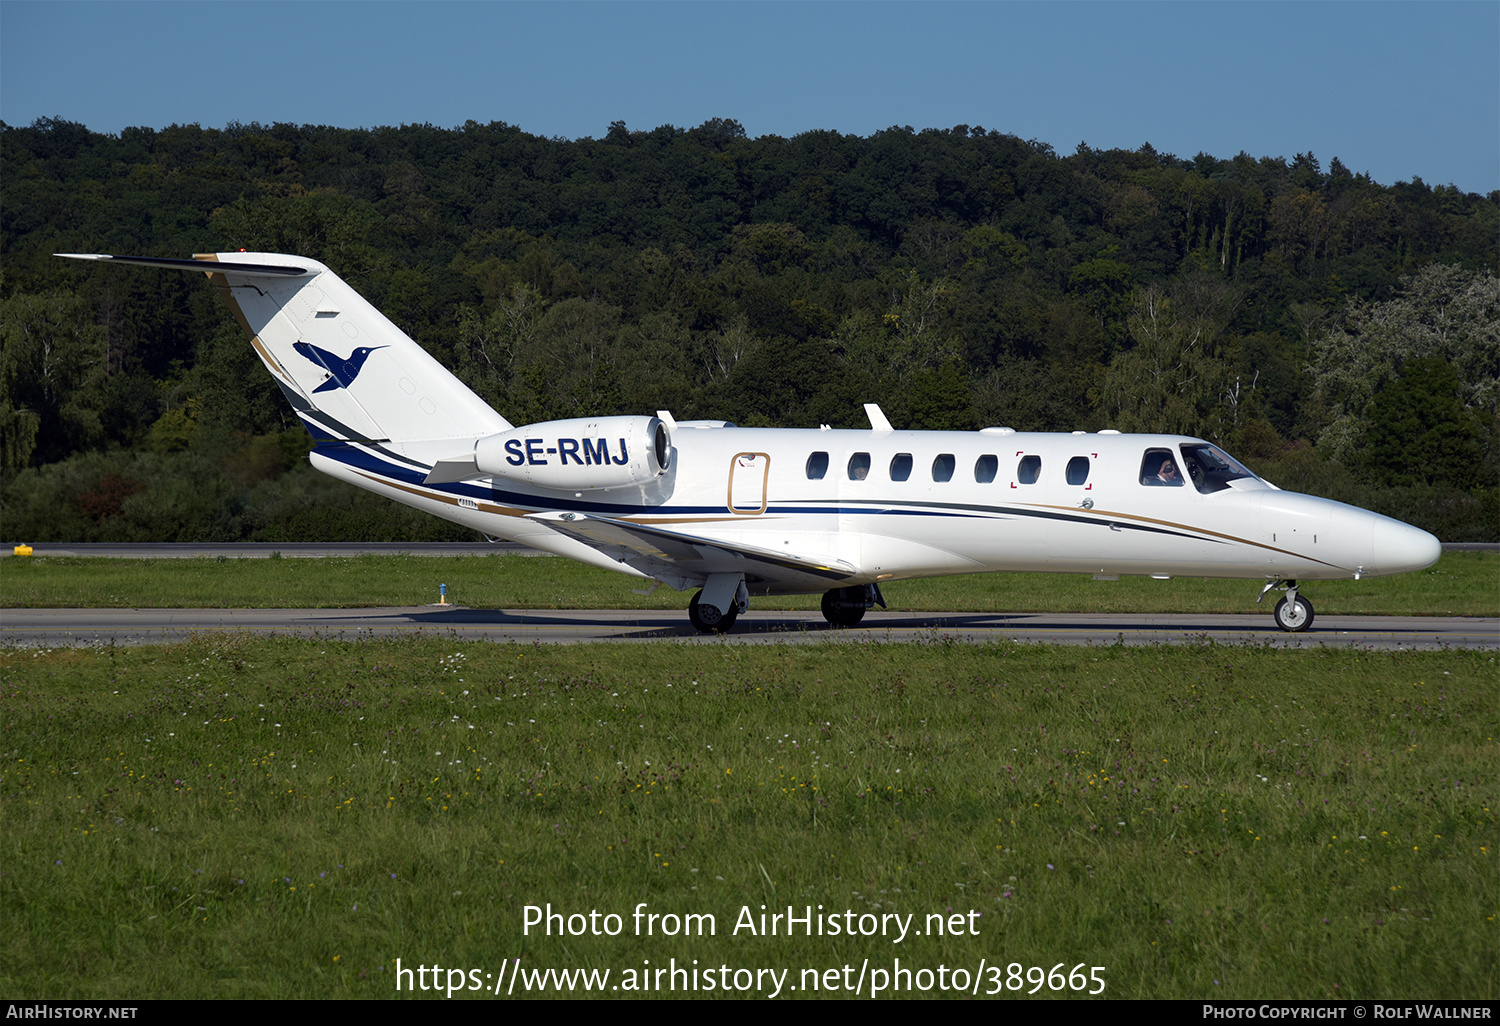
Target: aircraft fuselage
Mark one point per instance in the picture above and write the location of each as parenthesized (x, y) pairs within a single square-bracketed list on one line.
[(970, 502)]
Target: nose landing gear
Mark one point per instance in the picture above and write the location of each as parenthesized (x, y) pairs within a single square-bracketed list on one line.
[(1293, 613)]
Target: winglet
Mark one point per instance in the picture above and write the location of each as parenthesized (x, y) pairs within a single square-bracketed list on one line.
[(878, 420)]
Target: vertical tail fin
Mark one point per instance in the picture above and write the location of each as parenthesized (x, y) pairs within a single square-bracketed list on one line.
[(348, 371)]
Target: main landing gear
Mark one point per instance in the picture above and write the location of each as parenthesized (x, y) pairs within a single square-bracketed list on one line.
[(845, 607), (724, 597), (710, 619), (1293, 613)]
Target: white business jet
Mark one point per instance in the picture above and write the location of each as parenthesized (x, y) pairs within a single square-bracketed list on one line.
[(735, 512)]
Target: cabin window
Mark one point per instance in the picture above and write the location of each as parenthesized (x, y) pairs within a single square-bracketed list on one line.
[(1029, 469), (859, 466), (1211, 468), (942, 467), (817, 466), (1078, 470), (985, 468), (1159, 468), (901, 466)]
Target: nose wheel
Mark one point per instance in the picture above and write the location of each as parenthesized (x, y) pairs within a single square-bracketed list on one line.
[(1293, 613)]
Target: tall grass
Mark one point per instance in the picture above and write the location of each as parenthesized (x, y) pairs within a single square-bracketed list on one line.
[(286, 818)]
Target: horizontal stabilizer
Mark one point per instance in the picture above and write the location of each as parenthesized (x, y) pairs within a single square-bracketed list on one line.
[(673, 555), (206, 266)]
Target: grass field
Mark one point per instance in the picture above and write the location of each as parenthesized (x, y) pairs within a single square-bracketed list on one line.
[(257, 818), (1461, 584)]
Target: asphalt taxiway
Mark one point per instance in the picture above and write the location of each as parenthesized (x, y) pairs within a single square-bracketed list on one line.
[(268, 550), (53, 628)]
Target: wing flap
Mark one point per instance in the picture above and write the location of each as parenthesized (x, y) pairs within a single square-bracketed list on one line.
[(673, 556)]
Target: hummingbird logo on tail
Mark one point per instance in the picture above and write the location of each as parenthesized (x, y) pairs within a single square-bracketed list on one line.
[(341, 372)]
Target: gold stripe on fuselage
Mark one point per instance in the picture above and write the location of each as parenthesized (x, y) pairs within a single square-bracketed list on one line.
[(1186, 527), (482, 507)]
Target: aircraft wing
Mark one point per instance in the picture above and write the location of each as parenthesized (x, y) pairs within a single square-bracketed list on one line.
[(683, 560)]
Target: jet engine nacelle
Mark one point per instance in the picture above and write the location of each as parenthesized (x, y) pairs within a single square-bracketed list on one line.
[(578, 455)]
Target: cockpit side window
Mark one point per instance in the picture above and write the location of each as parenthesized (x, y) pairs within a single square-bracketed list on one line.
[(817, 466), (1211, 468), (1028, 470), (1159, 468)]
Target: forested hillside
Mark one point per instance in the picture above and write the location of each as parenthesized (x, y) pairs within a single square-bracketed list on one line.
[(1341, 336)]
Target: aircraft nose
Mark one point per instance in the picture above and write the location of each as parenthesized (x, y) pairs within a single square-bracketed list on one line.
[(1398, 548)]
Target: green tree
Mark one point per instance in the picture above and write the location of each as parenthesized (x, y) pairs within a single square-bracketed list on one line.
[(727, 347), (1105, 287), (1420, 433), (1174, 378), (485, 354), (916, 335), (940, 400), (1026, 395), (1442, 311), (333, 230), (52, 370), (989, 249), (576, 345)]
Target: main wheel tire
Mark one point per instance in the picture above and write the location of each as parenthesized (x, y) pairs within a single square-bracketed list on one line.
[(708, 619), (844, 607), (1294, 615)]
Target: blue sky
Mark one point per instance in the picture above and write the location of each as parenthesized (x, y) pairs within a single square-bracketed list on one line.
[(1394, 89)]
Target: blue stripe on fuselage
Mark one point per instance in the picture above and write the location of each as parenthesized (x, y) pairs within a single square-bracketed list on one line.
[(361, 459)]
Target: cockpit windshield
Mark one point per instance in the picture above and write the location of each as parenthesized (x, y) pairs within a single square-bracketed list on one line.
[(1211, 468)]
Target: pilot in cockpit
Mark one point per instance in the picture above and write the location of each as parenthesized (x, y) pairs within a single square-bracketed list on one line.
[(1166, 475)]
